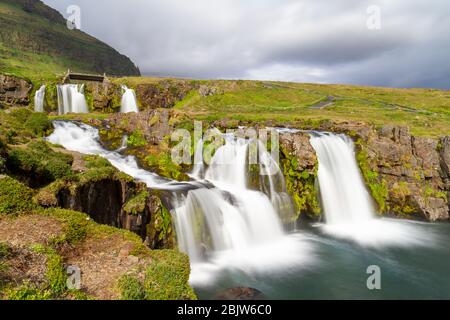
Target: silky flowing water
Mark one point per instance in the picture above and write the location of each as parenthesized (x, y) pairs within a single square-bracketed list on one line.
[(234, 235)]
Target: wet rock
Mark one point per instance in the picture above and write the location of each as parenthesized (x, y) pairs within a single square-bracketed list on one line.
[(14, 91), (240, 293)]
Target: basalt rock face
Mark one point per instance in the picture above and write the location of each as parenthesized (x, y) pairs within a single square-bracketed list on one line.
[(407, 175), (106, 96), (14, 91), (119, 203), (163, 94)]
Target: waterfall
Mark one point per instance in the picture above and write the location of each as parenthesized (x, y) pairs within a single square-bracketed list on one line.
[(39, 99), (343, 193), (129, 101), (85, 139), (221, 220), (347, 205), (71, 99), (230, 216)]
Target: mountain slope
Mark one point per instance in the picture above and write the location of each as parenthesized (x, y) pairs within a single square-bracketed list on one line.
[(36, 43)]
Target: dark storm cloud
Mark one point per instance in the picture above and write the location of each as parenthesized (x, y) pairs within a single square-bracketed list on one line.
[(305, 40)]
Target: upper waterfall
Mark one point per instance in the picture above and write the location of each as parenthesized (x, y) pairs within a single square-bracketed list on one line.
[(39, 99), (71, 99), (129, 101)]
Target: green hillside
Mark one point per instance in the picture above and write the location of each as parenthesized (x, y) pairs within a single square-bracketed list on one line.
[(35, 43)]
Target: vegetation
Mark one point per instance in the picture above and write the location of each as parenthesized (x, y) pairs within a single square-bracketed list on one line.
[(301, 186), (39, 161), (136, 139), (21, 125), (27, 53), (137, 204), (163, 164), (377, 186), (15, 197), (426, 111)]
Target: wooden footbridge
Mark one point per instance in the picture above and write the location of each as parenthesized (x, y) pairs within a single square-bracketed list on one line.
[(72, 76)]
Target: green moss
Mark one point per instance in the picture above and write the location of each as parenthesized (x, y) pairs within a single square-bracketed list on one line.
[(99, 169), (167, 278), (131, 288), (26, 291), (377, 186), (39, 124), (4, 250), (39, 160), (137, 204), (163, 165), (301, 186), (76, 225), (56, 274), (136, 139), (15, 198)]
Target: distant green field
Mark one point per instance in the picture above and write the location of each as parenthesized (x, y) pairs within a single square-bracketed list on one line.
[(426, 111)]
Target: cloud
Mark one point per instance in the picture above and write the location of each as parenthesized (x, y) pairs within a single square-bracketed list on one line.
[(315, 41)]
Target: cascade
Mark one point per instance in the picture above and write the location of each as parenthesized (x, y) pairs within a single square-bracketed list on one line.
[(39, 99), (129, 101)]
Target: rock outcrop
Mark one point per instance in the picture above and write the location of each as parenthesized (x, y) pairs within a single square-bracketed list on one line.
[(299, 164), (14, 91), (163, 94), (122, 204)]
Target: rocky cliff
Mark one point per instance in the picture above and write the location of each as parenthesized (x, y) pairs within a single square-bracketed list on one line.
[(14, 91), (406, 175)]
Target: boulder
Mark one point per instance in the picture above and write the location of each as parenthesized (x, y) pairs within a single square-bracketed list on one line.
[(240, 293), (14, 91)]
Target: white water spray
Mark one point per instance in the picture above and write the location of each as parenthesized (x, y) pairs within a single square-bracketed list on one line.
[(39, 97), (129, 101), (71, 99), (221, 223), (347, 205)]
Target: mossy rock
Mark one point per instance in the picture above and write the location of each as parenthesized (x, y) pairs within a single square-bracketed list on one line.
[(38, 163), (301, 185), (15, 197)]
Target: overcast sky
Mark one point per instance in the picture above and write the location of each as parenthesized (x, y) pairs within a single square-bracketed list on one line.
[(325, 41)]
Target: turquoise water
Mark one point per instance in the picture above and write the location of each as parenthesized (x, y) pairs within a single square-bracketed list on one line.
[(336, 269)]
